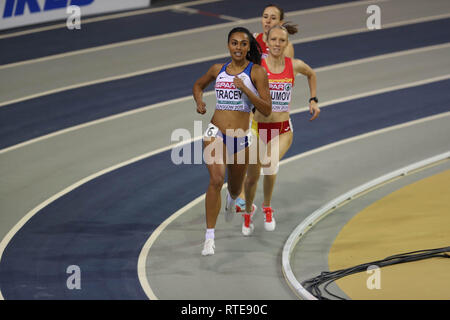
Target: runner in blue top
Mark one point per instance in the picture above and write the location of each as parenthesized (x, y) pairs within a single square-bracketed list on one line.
[(241, 85)]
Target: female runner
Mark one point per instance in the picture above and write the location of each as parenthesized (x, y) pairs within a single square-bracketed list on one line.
[(275, 130), (272, 15), (241, 84)]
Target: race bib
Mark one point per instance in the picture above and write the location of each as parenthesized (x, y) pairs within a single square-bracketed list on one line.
[(211, 131)]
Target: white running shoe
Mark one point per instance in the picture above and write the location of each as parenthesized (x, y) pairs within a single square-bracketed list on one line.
[(269, 220), (230, 208), (208, 248), (247, 225)]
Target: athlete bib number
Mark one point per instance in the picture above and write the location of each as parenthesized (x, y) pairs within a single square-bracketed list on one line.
[(211, 131)]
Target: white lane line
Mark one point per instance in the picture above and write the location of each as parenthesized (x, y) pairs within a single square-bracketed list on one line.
[(383, 57), (145, 251), (108, 17), (384, 26), (209, 93), (112, 78), (197, 11), (30, 214), (116, 45), (214, 57), (95, 122), (185, 32), (142, 260), (379, 91)]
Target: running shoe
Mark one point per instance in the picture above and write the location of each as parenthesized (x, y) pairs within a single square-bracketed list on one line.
[(247, 225), (230, 208), (208, 248), (269, 220), (240, 205)]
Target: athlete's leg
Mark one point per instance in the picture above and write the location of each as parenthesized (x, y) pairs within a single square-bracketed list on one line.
[(241, 203), (242, 194), (236, 173), (237, 166), (213, 193), (280, 145), (251, 183), (284, 142), (216, 169)]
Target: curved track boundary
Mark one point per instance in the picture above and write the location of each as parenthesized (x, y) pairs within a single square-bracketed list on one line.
[(142, 274), (145, 251), (328, 208), (5, 241)]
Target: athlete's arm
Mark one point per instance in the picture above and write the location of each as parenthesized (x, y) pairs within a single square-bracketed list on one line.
[(301, 67), (259, 77), (201, 84)]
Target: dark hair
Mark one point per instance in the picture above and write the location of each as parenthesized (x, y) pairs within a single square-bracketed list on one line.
[(279, 9), (290, 28), (254, 55)]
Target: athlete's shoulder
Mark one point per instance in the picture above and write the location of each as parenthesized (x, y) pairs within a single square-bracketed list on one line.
[(217, 66), (259, 71), (297, 63), (289, 62), (257, 67), (302, 67), (214, 70)]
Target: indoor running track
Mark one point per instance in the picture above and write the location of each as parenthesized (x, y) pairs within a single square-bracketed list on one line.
[(86, 166)]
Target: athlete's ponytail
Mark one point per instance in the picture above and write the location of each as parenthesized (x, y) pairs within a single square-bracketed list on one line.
[(289, 28), (254, 54)]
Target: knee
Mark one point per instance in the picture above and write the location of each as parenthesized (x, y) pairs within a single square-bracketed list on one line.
[(250, 181), (235, 191), (216, 181)]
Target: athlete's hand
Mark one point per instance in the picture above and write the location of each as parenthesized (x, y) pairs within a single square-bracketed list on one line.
[(201, 107), (314, 110), (238, 83)]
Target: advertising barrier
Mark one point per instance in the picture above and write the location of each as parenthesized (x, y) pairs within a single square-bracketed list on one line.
[(17, 13)]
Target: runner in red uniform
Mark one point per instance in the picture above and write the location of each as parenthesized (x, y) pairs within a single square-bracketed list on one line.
[(275, 131), (274, 15)]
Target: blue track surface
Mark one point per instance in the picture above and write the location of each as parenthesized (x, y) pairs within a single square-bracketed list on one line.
[(249, 9), (102, 225), (96, 34), (145, 25), (32, 118)]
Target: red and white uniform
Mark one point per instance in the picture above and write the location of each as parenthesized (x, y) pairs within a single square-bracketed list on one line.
[(262, 44), (280, 85)]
